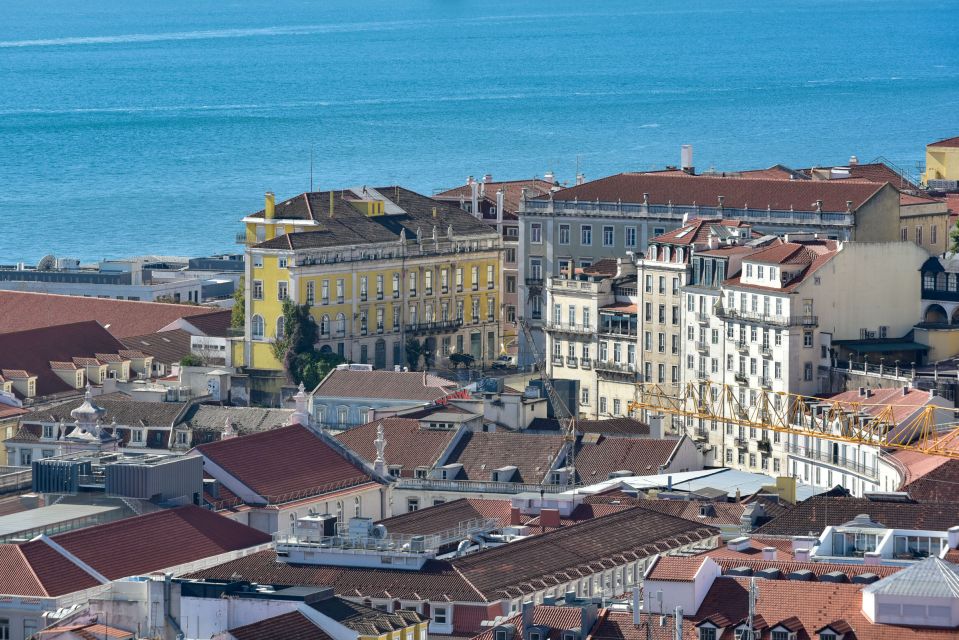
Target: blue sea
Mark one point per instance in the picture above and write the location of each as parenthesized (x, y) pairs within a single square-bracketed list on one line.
[(152, 126)]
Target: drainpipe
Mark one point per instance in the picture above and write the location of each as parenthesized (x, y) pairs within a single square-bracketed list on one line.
[(167, 593)]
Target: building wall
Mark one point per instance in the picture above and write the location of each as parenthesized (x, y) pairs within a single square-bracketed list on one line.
[(926, 225), (877, 220), (180, 290), (942, 163)]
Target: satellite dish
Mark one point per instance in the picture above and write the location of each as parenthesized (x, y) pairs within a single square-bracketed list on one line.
[(47, 263)]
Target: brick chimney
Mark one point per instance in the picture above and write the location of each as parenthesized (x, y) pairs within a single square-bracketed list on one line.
[(769, 553), (515, 517), (549, 518)]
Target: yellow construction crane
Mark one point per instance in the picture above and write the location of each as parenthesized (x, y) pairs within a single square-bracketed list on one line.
[(859, 422)]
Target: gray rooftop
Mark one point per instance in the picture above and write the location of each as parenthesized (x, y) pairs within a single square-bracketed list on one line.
[(48, 517), (930, 578)]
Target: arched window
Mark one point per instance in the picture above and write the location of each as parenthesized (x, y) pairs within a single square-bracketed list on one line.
[(280, 326), (340, 326), (325, 325), (651, 254), (339, 511), (679, 255), (665, 254), (256, 327), (357, 508)]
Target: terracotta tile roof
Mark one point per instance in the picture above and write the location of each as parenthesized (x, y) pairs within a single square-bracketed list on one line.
[(437, 580), (580, 513), (366, 620), (674, 569), (604, 267), (33, 350), (784, 549), (21, 310), (662, 189), (642, 456), (509, 571), (307, 466), (119, 407), (13, 374), (907, 200), (512, 192), (131, 354), (817, 569), (811, 516), (719, 513), (113, 358), (60, 366), (811, 255), (92, 631), (87, 362), (481, 453), (556, 619), (288, 626), (449, 514), (872, 172), (213, 324), (936, 482), (904, 404), (619, 307), (10, 412), (212, 418), (406, 443), (17, 577), (948, 142), (168, 347), (613, 426), (391, 385), (697, 232)]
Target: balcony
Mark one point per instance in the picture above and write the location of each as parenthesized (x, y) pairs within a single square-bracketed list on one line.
[(702, 347), (442, 326), (566, 327), (702, 318), (617, 368), (741, 443), (379, 295), (396, 294), (742, 347), (766, 351), (702, 375), (849, 464), (533, 282), (766, 383), (765, 318), (742, 378), (571, 361), (585, 363), (765, 446), (444, 290), (413, 293), (557, 361)]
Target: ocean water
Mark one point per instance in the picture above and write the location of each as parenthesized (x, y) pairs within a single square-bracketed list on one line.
[(152, 127)]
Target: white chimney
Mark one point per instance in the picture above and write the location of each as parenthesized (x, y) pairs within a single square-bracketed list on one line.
[(500, 203), (549, 177), (804, 542), (872, 559), (769, 553), (738, 544), (656, 430), (802, 555), (474, 198), (687, 158), (952, 537), (580, 178), (488, 178), (636, 601), (853, 161)]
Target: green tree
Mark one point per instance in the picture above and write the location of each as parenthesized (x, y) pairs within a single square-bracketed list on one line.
[(295, 349), (191, 360), (414, 350), (238, 318), (311, 368), (954, 238)]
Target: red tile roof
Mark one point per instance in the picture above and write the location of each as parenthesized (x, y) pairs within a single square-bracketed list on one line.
[(406, 443), (481, 453), (674, 569), (948, 142), (903, 404), (449, 514), (287, 626), (642, 456), (662, 189), (92, 631), (391, 385), (812, 515), (33, 350), (213, 324), (580, 513), (284, 464), (937, 484), (811, 255), (122, 548), (21, 310), (512, 192), (784, 549), (556, 619), (697, 232)]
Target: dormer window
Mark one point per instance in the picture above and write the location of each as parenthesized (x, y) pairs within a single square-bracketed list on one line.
[(48, 431), (421, 472), (708, 632), (395, 470), (535, 635), (136, 435), (783, 634)]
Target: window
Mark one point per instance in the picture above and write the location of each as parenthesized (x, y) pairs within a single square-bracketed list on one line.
[(584, 396), (564, 234), (904, 234), (325, 292), (918, 235), (616, 406), (325, 326), (586, 234), (536, 233), (608, 236), (630, 237), (439, 614), (280, 326), (136, 435), (510, 255), (396, 285), (257, 289), (490, 278), (413, 504), (48, 431), (310, 292), (363, 288), (807, 339), (256, 327), (707, 633), (339, 290), (379, 287), (281, 290), (459, 278), (602, 404), (412, 279), (934, 234), (258, 260), (807, 371), (340, 326)]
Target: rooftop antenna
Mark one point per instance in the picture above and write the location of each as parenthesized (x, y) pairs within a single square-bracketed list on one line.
[(311, 167)]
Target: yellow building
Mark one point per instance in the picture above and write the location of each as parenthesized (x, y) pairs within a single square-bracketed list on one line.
[(942, 160), (376, 266)]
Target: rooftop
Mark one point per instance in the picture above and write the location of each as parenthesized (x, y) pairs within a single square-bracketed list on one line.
[(642, 456), (948, 142), (448, 515), (481, 453), (512, 192), (168, 347), (308, 466), (288, 626), (389, 385), (21, 310), (756, 193), (407, 444)]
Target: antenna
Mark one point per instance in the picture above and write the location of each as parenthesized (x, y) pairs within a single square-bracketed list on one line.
[(311, 167)]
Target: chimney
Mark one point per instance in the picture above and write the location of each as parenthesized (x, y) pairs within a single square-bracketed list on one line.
[(738, 544), (722, 199), (862, 392), (868, 392), (580, 178), (686, 159), (804, 542), (469, 180), (488, 178), (515, 517), (549, 177), (656, 430), (952, 537), (636, 601), (527, 617), (500, 203), (932, 394), (905, 390), (549, 518), (802, 555), (474, 198), (769, 553), (872, 559), (853, 161), (269, 205)]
